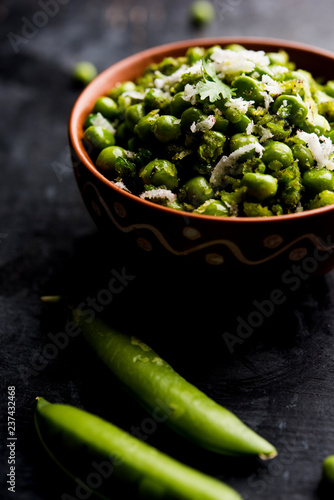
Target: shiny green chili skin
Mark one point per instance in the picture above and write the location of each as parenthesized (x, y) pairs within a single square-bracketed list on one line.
[(150, 379), (83, 445)]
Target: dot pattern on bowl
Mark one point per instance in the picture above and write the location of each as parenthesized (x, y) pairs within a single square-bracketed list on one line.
[(120, 209), (272, 241), (191, 233), (117, 211), (214, 259), (144, 244), (298, 253), (96, 208)]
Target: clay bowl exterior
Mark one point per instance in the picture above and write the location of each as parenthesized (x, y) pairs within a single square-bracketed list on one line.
[(296, 244)]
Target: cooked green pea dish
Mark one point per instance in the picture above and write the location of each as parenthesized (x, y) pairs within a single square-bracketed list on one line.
[(223, 131)]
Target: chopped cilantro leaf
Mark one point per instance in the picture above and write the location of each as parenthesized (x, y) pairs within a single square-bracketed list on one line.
[(212, 87)]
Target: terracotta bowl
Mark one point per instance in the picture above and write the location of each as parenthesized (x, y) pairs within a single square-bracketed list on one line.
[(296, 244)]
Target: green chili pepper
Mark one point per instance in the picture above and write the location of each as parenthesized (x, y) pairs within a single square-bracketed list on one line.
[(149, 378), (100, 454)]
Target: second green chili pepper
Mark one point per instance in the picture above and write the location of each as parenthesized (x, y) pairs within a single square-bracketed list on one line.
[(96, 453)]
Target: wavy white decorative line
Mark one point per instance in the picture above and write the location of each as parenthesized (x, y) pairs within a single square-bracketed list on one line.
[(232, 246)]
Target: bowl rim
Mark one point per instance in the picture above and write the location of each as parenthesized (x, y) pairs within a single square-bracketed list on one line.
[(75, 131)]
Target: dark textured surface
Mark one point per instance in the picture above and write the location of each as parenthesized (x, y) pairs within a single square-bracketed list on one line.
[(279, 380)]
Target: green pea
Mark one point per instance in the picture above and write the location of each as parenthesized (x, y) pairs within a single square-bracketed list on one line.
[(177, 105), (242, 124), (176, 205), (106, 106), (234, 46), (99, 137), (330, 134), (210, 51), (144, 128), (291, 107), (194, 54), (167, 128), (133, 114), (90, 120), (281, 57), (213, 207), (327, 110), (122, 133), (155, 99), (202, 12), (277, 209), (239, 121), (329, 88), (127, 86), (240, 140), (160, 173), (197, 190), (318, 180), (249, 89), (84, 72), (221, 124), (322, 199), (233, 115), (133, 144), (106, 160), (259, 71), (277, 155), (303, 155), (124, 101), (168, 65), (319, 125), (260, 186), (192, 115), (328, 469)]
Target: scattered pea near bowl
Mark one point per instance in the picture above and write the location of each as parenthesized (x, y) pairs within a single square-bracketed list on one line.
[(217, 151)]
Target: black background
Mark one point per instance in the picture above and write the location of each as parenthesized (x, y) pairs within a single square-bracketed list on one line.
[(279, 381)]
